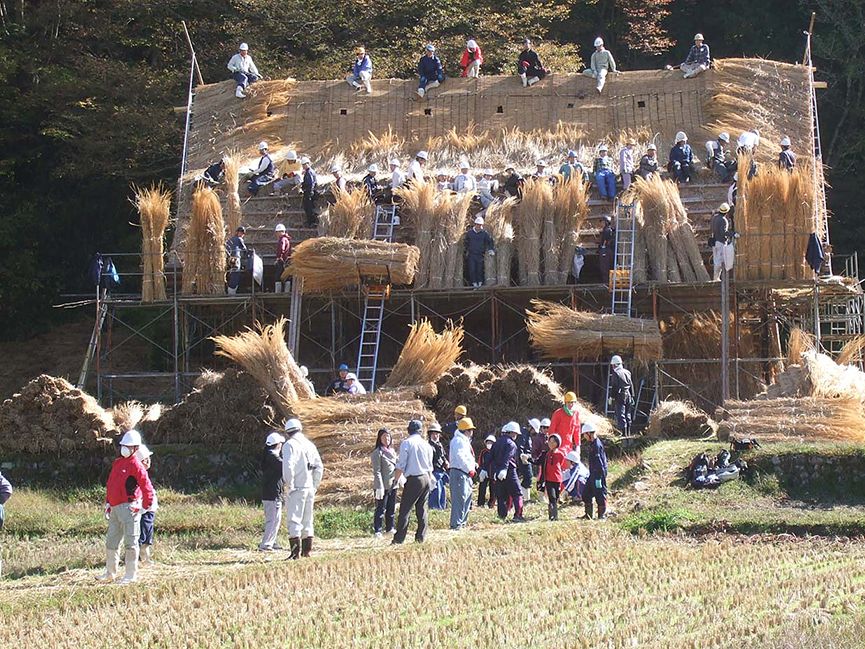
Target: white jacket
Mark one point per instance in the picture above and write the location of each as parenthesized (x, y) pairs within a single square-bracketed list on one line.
[(415, 171), (243, 64), (465, 184), (397, 178), (301, 464)]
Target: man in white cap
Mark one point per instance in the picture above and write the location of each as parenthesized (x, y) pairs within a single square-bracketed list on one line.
[(370, 183), (723, 251), (415, 169), (626, 162), (271, 490), (263, 172), (283, 254), (464, 182), (681, 163), (429, 70), (605, 175), (397, 175), (486, 186), (353, 385), (478, 243), (309, 187), (601, 64), (649, 162), (698, 59), (243, 70), (360, 77), (128, 493), (529, 65), (786, 158), (716, 158), (541, 170), (472, 60), (302, 471), (622, 393)]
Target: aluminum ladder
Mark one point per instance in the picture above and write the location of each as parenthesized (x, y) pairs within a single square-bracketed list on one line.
[(622, 284), (373, 309)]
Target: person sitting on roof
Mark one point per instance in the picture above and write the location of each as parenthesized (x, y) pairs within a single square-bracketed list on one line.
[(601, 64), (415, 169), (572, 168), (626, 162), (698, 59), (353, 386), (786, 158), (681, 164), (649, 162), (360, 76), (370, 183), (338, 185), (747, 145), (263, 173), (464, 182), (541, 171), (215, 173), (430, 71), (292, 174), (529, 65), (443, 181), (605, 176), (486, 186), (514, 183), (472, 60), (243, 70), (397, 175), (716, 158), (340, 383)]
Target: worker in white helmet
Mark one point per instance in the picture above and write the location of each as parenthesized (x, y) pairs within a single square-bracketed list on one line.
[(604, 173), (723, 252), (602, 63), (698, 59), (430, 71), (243, 70), (478, 243), (786, 157), (415, 169), (353, 386), (283, 254), (309, 187), (596, 481), (271, 490), (370, 183), (622, 394), (681, 163), (718, 157), (486, 186), (397, 175), (264, 171), (360, 76), (649, 162), (626, 162), (148, 515), (471, 60), (504, 462), (128, 493), (302, 470), (465, 182)]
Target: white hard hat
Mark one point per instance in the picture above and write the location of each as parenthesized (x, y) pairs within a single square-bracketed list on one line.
[(573, 456), (785, 141), (588, 427), (335, 169), (489, 172), (143, 453), (423, 155), (541, 163), (651, 147), (511, 427), (373, 169), (490, 438), (304, 160), (724, 136), (131, 438), (394, 162), (681, 137), (471, 44), (599, 41), (243, 47), (293, 426), (304, 370), (291, 156), (535, 424), (279, 228), (273, 439), (545, 422), (616, 360), (430, 47), (479, 220), (351, 376), (262, 145), (603, 147), (464, 164), (698, 37), (723, 208)]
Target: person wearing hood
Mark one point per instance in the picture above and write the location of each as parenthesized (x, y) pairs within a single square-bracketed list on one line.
[(529, 66), (340, 383), (360, 76), (622, 393), (471, 60), (681, 164), (383, 460), (551, 477), (504, 466), (302, 470), (565, 423), (462, 471), (243, 70), (602, 63), (486, 477), (414, 470), (438, 493), (271, 490), (128, 493), (478, 243), (430, 71), (596, 485)]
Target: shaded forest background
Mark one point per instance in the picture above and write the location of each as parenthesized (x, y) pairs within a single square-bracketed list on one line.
[(89, 88)]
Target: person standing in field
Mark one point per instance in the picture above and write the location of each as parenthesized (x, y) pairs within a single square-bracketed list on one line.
[(271, 491), (438, 493), (566, 424), (413, 469), (5, 494), (302, 470), (128, 492), (145, 541), (383, 483), (504, 465), (486, 484), (462, 471), (551, 475), (596, 485)]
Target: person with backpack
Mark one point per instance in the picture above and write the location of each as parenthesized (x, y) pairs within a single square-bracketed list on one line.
[(596, 485), (271, 490)]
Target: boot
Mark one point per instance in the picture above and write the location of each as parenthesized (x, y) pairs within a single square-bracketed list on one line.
[(277, 288), (232, 291), (432, 84), (533, 80), (306, 546), (294, 545), (588, 514), (131, 560), (239, 93), (524, 80), (112, 558), (421, 92), (146, 554), (526, 494)]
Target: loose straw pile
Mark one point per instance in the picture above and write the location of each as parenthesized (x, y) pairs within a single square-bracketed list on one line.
[(426, 355), (154, 208)]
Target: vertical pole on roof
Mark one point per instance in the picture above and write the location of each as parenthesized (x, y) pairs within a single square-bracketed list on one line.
[(725, 335), (176, 323), (195, 58)]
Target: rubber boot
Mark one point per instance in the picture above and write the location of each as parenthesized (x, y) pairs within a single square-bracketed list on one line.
[(294, 547), (524, 80), (421, 92), (526, 493), (239, 92), (112, 558), (306, 547), (588, 514), (277, 288), (131, 559), (146, 554), (533, 80)]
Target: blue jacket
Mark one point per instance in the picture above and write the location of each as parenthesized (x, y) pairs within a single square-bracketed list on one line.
[(429, 66), (364, 65), (504, 453), (698, 54), (597, 459), (309, 182), (478, 243), (682, 154)]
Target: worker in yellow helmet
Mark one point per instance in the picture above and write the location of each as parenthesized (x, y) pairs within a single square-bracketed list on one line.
[(462, 472), (451, 427), (565, 423)]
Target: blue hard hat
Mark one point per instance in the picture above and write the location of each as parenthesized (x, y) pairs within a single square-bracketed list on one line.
[(342, 367)]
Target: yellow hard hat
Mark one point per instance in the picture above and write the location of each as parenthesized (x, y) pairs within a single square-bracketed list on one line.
[(461, 410), (570, 396), (465, 424)]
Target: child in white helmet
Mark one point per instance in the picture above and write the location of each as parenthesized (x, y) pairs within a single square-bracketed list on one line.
[(145, 540), (472, 60), (271, 490)]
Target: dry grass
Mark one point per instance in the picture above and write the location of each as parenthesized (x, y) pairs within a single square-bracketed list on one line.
[(851, 353), (570, 209), (130, 414), (531, 212), (799, 342), (154, 209), (426, 355), (451, 222), (419, 207), (204, 258), (328, 263), (558, 331), (499, 223), (350, 217), (679, 419), (233, 210)]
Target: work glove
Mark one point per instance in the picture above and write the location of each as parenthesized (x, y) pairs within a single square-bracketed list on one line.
[(482, 475), (598, 483), (525, 457), (378, 494), (401, 482), (107, 511), (501, 475), (491, 253)]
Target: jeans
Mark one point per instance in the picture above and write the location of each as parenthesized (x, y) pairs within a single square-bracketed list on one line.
[(243, 80), (437, 493), (423, 81), (461, 498), (606, 181), (623, 415), (146, 537), (476, 270), (384, 509)]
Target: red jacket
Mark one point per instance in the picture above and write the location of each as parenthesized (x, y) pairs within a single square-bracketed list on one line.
[(128, 481), (553, 465), (467, 59), (283, 248), (568, 428)]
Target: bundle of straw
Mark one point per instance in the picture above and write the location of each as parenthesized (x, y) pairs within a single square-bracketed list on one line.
[(641, 256), (851, 353), (233, 212), (570, 209), (328, 263), (532, 210), (204, 265), (350, 217), (419, 207), (446, 264), (799, 342), (558, 331), (154, 208), (498, 222), (426, 355), (678, 419), (655, 220), (263, 353)]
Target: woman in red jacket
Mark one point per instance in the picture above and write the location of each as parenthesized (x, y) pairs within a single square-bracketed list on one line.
[(551, 475), (472, 60), (566, 424)]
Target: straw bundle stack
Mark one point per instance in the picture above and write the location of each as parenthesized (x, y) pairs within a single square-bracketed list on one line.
[(561, 332), (328, 263), (451, 223), (263, 353), (655, 220), (570, 209), (419, 207), (774, 216), (679, 419), (233, 212), (154, 208), (204, 263), (498, 222), (426, 355), (535, 207), (641, 256), (800, 418), (50, 415), (350, 217)]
